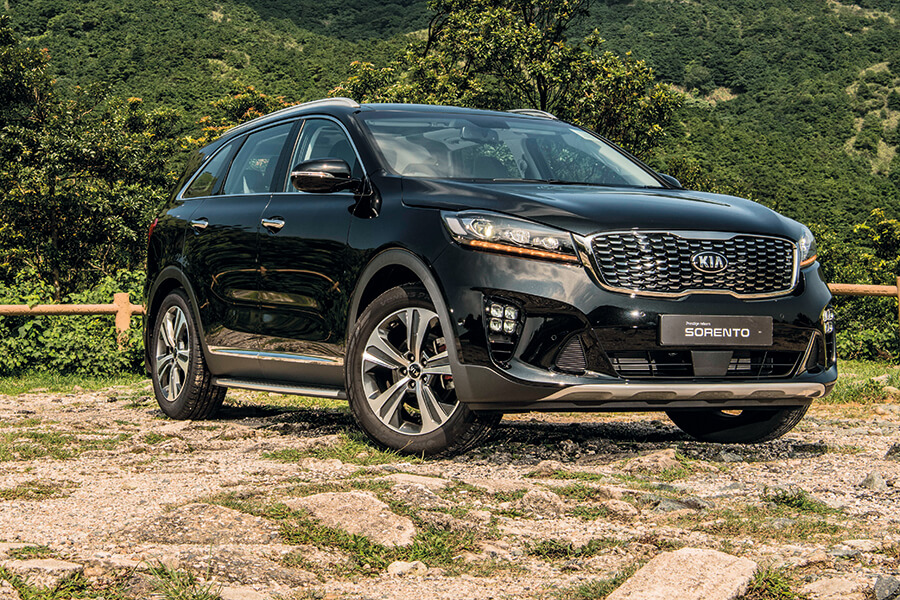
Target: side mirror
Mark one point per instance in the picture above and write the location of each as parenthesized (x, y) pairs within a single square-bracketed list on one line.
[(323, 176), (671, 181)]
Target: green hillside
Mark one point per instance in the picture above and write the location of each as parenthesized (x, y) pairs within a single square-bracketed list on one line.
[(793, 102)]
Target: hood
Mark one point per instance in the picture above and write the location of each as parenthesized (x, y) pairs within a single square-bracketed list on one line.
[(586, 210)]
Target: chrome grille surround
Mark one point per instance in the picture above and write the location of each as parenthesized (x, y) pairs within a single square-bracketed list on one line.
[(658, 263)]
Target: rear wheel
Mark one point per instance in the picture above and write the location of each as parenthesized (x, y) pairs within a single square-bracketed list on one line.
[(399, 381), (181, 382), (748, 426)]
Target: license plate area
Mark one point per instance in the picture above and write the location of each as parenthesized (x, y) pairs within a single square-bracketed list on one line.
[(714, 331)]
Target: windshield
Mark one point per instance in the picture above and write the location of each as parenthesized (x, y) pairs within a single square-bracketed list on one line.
[(499, 148)]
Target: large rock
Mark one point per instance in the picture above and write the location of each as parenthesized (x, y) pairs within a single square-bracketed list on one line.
[(689, 574), (205, 524), (541, 503), (435, 484), (657, 462), (359, 513), (43, 572), (886, 588), (834, 588), (874, 481)]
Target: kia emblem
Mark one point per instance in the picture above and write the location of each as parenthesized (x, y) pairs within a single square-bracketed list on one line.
[(709, 262)]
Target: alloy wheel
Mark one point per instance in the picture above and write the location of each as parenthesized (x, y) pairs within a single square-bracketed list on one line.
[(406, 372), (172, 353)]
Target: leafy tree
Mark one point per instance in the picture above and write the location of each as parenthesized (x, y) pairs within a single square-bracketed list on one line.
[(81, 177), (243, 105), (893, 100), (502, 54)]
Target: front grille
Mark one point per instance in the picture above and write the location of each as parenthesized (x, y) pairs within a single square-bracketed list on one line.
[(571, 357), (659, 263), (744, 364)]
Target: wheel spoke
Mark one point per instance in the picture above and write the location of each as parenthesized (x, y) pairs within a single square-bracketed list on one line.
[(162, 363), (433, 415), (168, 331), (382, 353), (180, 324), (183, 359), (416, 328), (439, 364), (387, 404), (174, 382)]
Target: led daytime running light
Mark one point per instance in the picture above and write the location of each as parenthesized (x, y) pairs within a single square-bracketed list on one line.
[(809, 261), (521, 251)]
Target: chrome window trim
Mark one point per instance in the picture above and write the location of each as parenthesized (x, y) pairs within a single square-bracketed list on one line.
[(585, 248)]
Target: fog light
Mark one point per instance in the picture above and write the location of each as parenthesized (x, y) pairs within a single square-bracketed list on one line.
[(828, 320), (497, 311), (509, 327), (511, 313), (496, 325)]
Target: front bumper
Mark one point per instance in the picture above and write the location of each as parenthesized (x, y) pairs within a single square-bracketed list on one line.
[(622, 365)]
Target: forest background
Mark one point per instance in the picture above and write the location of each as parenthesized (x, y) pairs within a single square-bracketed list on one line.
[(793, 103)]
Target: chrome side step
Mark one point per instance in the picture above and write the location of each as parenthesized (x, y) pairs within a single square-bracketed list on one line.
[(281, 388)]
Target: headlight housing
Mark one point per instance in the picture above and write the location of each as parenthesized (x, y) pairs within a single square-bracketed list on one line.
[(808, 250), (499, 233)]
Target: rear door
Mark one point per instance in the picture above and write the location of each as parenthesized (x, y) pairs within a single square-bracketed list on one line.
[(303, 256), (221, 255)]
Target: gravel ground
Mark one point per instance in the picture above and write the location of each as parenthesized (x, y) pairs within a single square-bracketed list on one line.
[(549, 508)]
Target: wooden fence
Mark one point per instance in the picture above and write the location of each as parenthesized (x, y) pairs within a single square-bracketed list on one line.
[(123, 309)]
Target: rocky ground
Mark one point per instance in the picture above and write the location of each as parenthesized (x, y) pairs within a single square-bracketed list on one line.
[(100, 496)]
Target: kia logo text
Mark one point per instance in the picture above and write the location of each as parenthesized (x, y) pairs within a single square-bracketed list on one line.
[(709, 262)]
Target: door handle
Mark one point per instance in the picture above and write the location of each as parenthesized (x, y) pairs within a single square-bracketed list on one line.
[(201, 223), (273, 225)]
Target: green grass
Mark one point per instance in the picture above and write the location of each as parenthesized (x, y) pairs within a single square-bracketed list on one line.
[(353, 448), (760, 523), (56, 383), (799, 500), (29, 445), (248, 398), (36, 490), (771, 584), (558, 549), (71, 588), (29, 552), (598, 589), (157, 438), (173, 584), (855, 385)]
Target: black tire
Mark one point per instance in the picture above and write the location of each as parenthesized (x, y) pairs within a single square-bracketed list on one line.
[(749, 426), (381, 371), (181, 381)]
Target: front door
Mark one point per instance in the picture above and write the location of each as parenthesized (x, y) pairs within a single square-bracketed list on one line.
[(303, 258)]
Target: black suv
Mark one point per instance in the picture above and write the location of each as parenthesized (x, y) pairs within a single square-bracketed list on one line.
[(439, 266)]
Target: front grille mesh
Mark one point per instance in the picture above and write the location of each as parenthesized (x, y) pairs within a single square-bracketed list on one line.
[(641, 364), (660, 262)]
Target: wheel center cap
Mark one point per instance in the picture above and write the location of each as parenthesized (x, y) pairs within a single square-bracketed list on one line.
[(415, 371)]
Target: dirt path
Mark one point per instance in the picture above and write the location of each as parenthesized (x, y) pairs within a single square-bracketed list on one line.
[(551, 507)]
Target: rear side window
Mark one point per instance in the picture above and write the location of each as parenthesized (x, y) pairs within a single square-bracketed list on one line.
[(254, 166), (206, 183)]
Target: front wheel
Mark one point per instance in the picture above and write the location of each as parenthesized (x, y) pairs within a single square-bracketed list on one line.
[(748, 426), (399, 382)]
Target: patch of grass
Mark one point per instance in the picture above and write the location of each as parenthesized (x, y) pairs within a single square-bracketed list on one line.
[(762, 523), (799, 500), (353, 448), (576, 475), (157, 438), (76, 587), (558, 549), (29, 552), (582, 493), (771, 584), (56, 383), (247, 398), (36, 490), (29, 445), (855, 386), (844, 449), (599, 589), (173, 584), (26, 422), (590, 512)]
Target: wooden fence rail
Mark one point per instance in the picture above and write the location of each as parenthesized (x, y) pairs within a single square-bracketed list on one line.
[(124, 309), (121, 307)]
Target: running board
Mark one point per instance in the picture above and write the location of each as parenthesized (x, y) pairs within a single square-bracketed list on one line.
[(281, 388)]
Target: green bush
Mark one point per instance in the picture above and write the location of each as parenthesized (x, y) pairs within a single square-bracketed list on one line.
[(83, 345)]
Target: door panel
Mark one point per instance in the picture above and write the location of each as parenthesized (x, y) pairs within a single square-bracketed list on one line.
[(221, 254), (303, 265)]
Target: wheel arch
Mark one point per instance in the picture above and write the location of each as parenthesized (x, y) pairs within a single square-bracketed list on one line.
[(169, 279)]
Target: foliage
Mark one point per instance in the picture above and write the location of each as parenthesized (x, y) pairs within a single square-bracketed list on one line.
[(85, 345), (503, 55), (243, 105)]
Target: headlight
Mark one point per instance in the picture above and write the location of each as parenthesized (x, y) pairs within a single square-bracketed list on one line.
[(808, 249), (498, 233)]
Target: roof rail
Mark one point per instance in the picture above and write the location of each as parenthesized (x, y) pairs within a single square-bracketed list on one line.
[(323, 102), (533, 112)]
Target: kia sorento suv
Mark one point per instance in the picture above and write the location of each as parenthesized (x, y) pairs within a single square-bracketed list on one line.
[(438, 267)]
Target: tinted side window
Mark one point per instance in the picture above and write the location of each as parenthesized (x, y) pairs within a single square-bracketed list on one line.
[(321, 138), (206, 183), (254, 166)]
